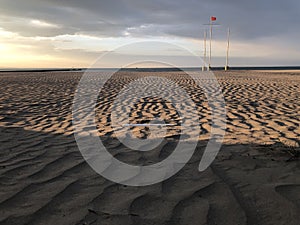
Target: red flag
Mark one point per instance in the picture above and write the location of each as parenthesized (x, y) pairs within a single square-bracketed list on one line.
[(213, 18)]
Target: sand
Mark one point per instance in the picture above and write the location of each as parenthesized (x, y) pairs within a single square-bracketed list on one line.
[(255, 178)]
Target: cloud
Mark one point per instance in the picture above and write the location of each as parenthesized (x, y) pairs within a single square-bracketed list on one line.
[(258, 22), (249, 19)]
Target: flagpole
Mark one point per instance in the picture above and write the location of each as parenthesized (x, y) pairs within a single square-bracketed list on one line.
[(204, 53), (210, 38), (227, 51), (209, 64)]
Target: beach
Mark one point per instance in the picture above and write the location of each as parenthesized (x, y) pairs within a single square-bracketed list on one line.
[(255, 178)]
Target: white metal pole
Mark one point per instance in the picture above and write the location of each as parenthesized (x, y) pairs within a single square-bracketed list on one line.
[(227, 51), (209, 64), (204, 53)]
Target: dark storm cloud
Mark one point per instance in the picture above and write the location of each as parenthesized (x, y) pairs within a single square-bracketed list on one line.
[(248, 19)]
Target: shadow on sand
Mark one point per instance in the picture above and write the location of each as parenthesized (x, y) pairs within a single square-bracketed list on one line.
[(44, 180)]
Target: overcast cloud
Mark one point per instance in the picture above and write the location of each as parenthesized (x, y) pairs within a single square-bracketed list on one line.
[(255, 21)]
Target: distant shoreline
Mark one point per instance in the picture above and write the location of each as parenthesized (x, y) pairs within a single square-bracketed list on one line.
[(41, 70), (264, 68)]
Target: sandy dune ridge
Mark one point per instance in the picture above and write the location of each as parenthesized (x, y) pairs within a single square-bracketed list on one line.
[(254, 180)]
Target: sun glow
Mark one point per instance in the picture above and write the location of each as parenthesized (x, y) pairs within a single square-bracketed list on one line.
[(39, 23)]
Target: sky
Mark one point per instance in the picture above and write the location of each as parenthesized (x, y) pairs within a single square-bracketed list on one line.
[(65, 33)]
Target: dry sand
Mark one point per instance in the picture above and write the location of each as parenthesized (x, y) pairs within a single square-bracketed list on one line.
[(254, 180)]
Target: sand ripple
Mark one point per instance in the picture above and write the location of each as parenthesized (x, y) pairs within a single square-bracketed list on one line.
[(254, 180)]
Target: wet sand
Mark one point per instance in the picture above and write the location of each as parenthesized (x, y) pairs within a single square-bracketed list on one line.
[(254, 180)]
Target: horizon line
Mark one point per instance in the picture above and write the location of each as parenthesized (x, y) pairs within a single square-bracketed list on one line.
[(80, 69)]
